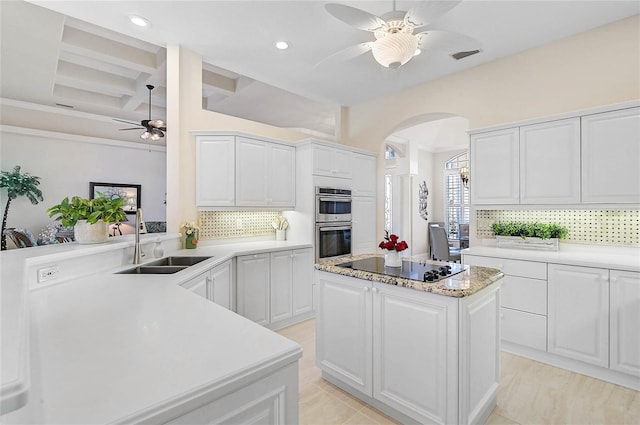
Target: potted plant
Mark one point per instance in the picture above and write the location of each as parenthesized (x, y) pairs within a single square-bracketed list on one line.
[(89, 218), (392, 244), (18, 184), (516, 234)]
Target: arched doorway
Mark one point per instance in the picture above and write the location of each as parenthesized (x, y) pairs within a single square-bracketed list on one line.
[(415, 153)]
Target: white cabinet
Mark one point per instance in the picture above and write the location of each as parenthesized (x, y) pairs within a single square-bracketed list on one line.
[(276, 289), (363, 215), (252, 281), (331, 162), (494, 167), (216, 285), (265, 173), (215, 171), (363, 176), (579, 313), (610, 152), (550, 162), (625, 317), (344, 330)]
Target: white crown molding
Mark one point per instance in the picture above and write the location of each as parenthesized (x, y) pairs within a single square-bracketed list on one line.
[(80, 139)]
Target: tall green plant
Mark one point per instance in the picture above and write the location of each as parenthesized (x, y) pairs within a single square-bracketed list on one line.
[(18, 184)]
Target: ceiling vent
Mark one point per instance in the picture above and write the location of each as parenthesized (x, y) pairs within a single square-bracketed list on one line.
[(462, 55)]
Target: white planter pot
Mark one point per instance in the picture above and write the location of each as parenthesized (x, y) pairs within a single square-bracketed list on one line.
[(518, 242), (91, 233)]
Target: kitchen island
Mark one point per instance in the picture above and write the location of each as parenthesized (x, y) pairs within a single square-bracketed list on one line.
[(421, 351), (96, 346)]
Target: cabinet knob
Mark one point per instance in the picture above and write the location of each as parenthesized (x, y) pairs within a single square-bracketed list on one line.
[(374, 290), (613, 279), (604, 277), (366, 289)]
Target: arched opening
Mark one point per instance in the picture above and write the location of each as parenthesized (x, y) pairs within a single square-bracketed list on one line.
[(415, 182)]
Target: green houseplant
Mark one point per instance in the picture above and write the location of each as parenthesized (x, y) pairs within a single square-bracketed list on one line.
[(18, 184), (90, 218), (516, 234)]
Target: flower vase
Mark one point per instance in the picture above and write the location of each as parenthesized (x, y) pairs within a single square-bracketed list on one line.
[(191, 242), (392, 259)]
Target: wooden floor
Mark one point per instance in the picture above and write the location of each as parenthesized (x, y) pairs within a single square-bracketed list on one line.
[(530, 393)]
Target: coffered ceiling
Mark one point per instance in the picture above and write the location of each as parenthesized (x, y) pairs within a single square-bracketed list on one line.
[(75, 65)]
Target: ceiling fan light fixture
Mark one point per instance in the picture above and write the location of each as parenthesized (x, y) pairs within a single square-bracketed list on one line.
[(155, 136), (145, 135), (394, 49)]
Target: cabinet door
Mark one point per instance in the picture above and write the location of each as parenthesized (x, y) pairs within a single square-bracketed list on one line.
[(331, 162), (415, 357), (199, 284), (281, 285), (215, 171), (495, 167), (282, 168), (252, 280), (625, 317), (221, 285), (550, 162), (610, 152), (251, 172), (302, 280), (363, 212), (578, 314), (344, 330), (363, 175)]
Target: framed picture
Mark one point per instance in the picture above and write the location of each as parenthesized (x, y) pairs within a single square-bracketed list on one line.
[(130, 193)]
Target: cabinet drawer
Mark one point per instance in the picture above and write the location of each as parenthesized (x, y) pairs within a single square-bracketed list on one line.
[(509, 267), (523, 328), (525, 294)]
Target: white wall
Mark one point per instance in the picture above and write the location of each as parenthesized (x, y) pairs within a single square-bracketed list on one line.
[(67, 163)]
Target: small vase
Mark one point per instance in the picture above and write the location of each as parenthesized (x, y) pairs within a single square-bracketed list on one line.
[(392, 259), (158, 252), (191, 242)]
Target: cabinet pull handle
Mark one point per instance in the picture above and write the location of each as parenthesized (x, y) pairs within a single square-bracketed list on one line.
[(613, 279)]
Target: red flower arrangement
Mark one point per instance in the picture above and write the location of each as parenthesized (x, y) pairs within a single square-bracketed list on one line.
[(391, 243)]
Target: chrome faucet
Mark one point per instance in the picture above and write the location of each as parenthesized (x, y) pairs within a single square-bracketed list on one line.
[(137, 253)]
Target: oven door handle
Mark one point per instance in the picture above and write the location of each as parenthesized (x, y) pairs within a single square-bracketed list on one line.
[(335, 199), (323, 229)]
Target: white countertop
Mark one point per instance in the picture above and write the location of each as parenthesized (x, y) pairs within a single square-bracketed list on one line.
[(608, 257), (117, 347)]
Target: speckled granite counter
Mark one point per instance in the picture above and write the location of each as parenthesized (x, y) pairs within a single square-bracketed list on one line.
[(463, 284)]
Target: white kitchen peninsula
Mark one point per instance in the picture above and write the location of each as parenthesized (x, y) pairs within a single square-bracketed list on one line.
[(123, 348), (421, 351)]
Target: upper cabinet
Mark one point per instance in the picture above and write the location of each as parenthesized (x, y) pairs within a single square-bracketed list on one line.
[(550, 162), (494, 167), (331, 162), (610, 152), (570, 160), (265, 174), (233, 170), (363, 175), (215, 171)]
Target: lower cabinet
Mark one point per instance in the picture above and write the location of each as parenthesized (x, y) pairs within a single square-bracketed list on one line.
[(399, 347), (579, 313), (276, 289), (624, 299), (216, 285)]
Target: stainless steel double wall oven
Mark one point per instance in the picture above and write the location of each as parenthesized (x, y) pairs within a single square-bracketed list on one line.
[(333, 223)]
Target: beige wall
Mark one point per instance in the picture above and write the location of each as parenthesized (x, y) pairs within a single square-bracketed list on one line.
[(184, 106), (594, 68)]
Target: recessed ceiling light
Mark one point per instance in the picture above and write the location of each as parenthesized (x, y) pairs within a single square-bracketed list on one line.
[(139, 21), (282, 45), (417, 52)]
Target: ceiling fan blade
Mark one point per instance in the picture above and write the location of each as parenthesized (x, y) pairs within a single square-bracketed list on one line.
[(446, 42), (428, 12), (126, 122), (136, 128), (354, 17), (346, 54)]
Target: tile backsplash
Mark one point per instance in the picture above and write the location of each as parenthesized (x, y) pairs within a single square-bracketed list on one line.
[(602, 227), (235, 224)]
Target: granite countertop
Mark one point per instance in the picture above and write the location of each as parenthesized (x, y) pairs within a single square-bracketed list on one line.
[(464, 284)]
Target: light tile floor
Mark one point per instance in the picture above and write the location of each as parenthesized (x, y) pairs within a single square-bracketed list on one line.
[(530, 393)]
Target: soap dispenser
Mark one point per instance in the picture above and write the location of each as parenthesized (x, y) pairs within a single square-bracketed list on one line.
[(158, 252)]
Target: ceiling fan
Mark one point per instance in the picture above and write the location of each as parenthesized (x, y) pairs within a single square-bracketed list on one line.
[(400, 35), (154, 128)]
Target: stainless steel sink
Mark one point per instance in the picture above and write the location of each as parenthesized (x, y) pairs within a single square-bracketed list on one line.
[(176, 261), (153, 270)]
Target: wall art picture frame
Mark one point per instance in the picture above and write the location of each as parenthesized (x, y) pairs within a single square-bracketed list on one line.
[(130, 192)]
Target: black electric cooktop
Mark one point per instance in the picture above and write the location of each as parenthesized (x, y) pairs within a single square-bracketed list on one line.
[(424, 272)]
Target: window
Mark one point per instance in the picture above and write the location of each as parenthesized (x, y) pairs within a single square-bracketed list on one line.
[(457, 195), (388, 198)]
